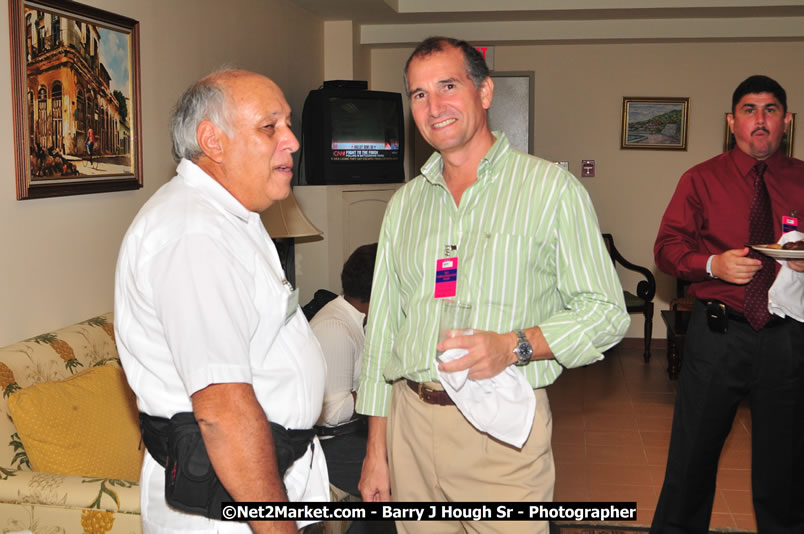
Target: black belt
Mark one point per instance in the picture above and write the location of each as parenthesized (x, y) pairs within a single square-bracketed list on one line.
[(191, 483), (355, 425), (739, 317), (290, 444)]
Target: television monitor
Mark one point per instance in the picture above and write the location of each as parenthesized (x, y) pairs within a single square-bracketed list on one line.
[(353, 136)]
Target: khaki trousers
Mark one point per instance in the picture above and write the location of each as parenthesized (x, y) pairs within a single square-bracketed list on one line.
[(436, 455)]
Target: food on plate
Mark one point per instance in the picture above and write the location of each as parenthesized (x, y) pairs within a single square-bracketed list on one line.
[(794, 245)]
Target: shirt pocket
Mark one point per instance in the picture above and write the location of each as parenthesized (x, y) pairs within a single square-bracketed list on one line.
[(271, 302), (503, 274)]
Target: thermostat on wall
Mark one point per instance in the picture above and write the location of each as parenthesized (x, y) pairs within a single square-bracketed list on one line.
[(588, 168)]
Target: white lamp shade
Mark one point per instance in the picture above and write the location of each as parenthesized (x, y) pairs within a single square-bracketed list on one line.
[(285, 219)]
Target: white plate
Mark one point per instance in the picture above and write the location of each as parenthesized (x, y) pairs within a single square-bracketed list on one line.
[(779, 253)]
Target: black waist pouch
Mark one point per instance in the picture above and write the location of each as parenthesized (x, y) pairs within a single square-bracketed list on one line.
[(191, 484)]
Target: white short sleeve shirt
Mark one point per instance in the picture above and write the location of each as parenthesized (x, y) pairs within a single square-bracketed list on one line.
[(201, 298), (339, 329)]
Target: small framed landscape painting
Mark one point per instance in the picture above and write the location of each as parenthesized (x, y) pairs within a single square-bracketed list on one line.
[(655, 123)]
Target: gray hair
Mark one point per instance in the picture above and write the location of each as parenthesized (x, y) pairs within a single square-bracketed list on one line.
[(206, 99), (476, 68)]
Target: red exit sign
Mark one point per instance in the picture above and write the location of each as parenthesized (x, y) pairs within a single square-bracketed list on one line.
[(488, 55)]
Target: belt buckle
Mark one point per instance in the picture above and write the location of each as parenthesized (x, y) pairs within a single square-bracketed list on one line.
[(421, 391)]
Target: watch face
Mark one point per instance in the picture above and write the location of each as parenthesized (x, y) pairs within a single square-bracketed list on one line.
[(524, 352)]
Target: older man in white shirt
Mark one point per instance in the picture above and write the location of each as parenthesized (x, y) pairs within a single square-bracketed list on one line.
[(206, 322)]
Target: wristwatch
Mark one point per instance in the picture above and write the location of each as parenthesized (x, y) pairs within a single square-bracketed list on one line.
[(523, 350)]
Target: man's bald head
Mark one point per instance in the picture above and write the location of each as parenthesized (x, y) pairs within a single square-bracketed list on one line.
[(207, 99)]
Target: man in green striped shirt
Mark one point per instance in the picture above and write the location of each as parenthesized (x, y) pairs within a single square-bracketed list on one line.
[(531, 262)]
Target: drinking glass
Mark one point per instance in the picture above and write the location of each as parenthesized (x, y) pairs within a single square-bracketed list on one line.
[(454, 321)]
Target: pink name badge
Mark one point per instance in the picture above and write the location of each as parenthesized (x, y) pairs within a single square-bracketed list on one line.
[(789, 224), (446, 282)]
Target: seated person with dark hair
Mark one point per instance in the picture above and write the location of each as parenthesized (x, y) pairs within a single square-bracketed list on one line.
[(339, 327)]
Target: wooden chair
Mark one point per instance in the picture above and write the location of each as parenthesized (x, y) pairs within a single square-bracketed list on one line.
[(642, 301), (676, 320)]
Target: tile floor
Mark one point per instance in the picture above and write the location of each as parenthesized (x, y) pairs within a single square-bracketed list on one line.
[(611, 431)]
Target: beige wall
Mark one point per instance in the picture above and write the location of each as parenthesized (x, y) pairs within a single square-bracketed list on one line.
[(58, 259), (578, 115), (59, 254), (339, 57)]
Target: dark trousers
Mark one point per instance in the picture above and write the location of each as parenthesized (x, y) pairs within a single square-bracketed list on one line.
[(720, 370), (345, 456)]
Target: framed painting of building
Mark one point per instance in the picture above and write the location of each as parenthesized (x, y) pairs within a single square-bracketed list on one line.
[(656, 123), (76, 97)]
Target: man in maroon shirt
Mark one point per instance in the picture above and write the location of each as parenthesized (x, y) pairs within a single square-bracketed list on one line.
[(726, 360)]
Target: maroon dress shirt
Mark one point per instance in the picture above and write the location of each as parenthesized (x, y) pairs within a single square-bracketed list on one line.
[(708, 215)]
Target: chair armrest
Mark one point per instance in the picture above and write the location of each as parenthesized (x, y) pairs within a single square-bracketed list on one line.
[(32, 487), (646, 289), (684, 303)]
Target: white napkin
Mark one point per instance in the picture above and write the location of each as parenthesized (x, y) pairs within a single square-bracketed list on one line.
[(786, 295), (503, 406)]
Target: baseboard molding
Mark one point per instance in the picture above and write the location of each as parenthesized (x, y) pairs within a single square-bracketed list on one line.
[(639, 343), (591, 528)]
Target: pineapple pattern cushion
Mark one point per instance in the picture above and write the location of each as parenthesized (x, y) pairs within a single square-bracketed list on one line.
[(52, 356)]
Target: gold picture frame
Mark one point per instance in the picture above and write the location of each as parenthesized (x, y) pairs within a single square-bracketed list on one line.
[(655, 123), (787, 139), (75, 81)]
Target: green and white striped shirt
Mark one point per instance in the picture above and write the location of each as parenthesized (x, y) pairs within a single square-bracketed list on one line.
[(530, 254)]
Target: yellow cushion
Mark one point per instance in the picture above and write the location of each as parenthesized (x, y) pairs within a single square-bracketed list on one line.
[(84, 425)]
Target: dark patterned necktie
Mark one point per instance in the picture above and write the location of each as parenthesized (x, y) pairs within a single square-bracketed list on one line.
[(760, 232)]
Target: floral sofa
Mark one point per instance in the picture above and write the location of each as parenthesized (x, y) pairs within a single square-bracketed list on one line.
[(47, 503)]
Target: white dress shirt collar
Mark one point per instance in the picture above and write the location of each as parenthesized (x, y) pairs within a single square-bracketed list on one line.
[(197, 178)]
